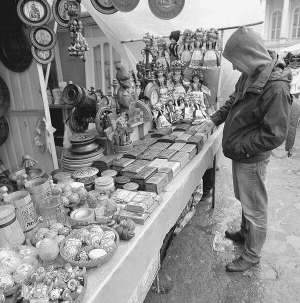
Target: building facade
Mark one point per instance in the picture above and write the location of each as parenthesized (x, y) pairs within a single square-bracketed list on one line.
[(282, 23)]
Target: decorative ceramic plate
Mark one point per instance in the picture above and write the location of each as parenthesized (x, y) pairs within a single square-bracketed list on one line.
[(166, 9), (85, 149), (104, 6), (43, 37), (42, 56), (60, 11), (4, 98), (34, 12), (4, 130), (125, 5)]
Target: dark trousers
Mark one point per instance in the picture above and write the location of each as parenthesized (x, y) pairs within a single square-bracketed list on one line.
[(208, 180)]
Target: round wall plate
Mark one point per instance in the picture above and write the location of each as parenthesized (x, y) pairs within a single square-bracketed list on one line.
[(60, 11), (34, 12), (166, 9), (42, 56), (43, 37), (104, 6), (125, 5), (4, 98)]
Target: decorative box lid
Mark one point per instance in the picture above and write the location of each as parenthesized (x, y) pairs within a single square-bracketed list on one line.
[(104, 181), (85, 172), (131, 186), (109, 173)]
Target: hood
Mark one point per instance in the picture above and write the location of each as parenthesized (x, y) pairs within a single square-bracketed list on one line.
[(246, 51)]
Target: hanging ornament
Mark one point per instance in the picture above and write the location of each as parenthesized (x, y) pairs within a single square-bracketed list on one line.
[(78, 45)]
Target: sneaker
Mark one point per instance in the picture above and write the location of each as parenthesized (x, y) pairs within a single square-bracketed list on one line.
[(235, 237), (239, 265)]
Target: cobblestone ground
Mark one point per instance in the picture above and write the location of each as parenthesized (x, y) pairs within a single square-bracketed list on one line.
[(195, 261)]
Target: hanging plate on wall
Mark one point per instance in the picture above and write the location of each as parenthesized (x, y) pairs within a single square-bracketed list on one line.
[(43, 37), (104, 6), (125, 5), (4, 130), (4, 98), (166, 9), (42, 56), (60, 11), (15, 51), (34, 12)]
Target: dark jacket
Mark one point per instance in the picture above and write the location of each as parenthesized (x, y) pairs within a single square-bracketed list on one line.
[(256, 116), (256, 120)]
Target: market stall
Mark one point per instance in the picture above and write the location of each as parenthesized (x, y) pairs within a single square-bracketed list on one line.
[(94, 227)]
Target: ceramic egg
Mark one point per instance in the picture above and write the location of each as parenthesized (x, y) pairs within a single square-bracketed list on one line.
[(48, 249), (97, 253), (54, 294)]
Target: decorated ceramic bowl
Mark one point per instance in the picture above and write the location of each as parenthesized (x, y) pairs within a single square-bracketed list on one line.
[(86, 175)]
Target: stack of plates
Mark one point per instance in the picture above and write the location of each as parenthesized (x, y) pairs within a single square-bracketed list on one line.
[(83, 153)]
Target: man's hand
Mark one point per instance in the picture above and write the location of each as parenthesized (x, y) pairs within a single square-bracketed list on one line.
[(208, 123)]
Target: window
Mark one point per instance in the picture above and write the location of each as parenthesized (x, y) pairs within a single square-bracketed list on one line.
[(276, 25), (296, 24)]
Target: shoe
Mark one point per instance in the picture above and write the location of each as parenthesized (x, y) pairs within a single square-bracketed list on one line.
[(239, 265), (235, 237)]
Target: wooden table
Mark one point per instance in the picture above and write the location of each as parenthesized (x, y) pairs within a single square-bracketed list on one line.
[(127, 277)]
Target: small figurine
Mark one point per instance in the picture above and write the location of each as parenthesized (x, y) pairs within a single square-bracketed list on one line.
[(174, 47), (187, 47), (162, 54), (197, 56), (125, 95), (121, 133), (28, 163), (211, 57)]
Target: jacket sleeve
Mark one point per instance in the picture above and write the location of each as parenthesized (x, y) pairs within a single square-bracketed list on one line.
[(221, 114), (273, 129)]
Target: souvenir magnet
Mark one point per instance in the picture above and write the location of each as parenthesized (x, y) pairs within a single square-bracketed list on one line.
[(43, 37), (42, 56)]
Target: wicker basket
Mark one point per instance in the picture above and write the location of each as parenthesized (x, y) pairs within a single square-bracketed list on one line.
[(92, 263)]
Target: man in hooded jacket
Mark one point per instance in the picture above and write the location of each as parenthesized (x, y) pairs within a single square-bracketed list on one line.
[(256, 120)]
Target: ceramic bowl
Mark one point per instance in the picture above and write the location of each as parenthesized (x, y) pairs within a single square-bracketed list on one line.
[(86, 175)]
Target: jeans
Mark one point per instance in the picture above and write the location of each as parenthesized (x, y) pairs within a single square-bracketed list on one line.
[(250, 190)]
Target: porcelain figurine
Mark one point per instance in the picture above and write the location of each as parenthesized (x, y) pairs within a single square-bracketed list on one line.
[(121, 133), (178, 90), (211, 57), (197, 56), (187, 47), (163, 90), (174, 46), (125, 94), (162, 54)]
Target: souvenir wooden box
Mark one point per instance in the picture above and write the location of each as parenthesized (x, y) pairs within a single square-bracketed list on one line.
[(157, 183), (161, 132), (143, 202), (138, 218), (135, 152), (160, 146), (168, 171), (146, 173), (134, 168), (198, 141), (182, 138), (167, 154), (181, 157), (182, 127), (158, 163), (120, 164), (123, 196), (177, 146), (104, 162), (149, 154), (175, 166), (168, 138), (191, 149)]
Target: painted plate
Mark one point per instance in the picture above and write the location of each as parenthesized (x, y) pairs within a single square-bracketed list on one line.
[(60, 11), (43, 37), (166, 9), (104, 6), (125, 5), (34, 12), (4, 98), (42, 56), (4, 130)]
